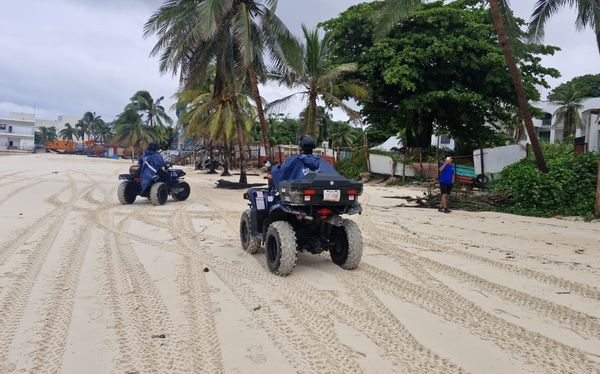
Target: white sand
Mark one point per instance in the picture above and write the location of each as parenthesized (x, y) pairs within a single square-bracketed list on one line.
[(88, 285)]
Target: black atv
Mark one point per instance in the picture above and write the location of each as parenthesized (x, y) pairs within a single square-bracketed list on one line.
[(303, 215), (167, 182)]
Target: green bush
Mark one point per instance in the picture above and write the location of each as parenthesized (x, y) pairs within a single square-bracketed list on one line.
[(353, 166), (569, 187)]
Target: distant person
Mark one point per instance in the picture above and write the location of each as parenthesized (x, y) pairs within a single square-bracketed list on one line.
[(446, 183)]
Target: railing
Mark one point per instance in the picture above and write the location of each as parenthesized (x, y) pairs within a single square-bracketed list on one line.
[(14, 131)]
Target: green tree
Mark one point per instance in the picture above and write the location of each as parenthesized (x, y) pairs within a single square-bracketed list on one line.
[(507, 33), (588, 15), (587, 86), (567, 113), (89, 124), (81, 129), (441, 70), (68, 133), (153, 113), (317, 78), (132, 130), (46, 135), (342, 135), (192, 34), (103, 131)]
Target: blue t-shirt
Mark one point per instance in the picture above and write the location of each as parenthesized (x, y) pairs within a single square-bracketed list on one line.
[(447, 174)]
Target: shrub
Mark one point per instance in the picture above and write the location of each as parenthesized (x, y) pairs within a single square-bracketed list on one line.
[(353, 166), (568, 188)]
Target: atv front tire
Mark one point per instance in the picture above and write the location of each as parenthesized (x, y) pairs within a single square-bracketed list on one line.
[(280, 247), (159, 193), (127, 192), (347, 245), (181, 192), (250, 242)]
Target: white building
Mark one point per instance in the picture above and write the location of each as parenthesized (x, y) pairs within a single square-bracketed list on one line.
[(17, 134), (59, 123), (551, 131)]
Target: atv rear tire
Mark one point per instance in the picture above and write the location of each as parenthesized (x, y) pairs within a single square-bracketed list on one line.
[(183, 191), (347, 245), (280, 245), (250, 241), (127, 192), (159, 193)]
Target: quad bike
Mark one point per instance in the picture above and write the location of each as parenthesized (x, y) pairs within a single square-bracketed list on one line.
[(167, 182), (303, 215)]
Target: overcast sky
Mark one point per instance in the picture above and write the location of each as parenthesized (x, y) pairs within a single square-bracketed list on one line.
[(73, 56)]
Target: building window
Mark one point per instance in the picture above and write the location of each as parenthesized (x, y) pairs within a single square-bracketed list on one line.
[(444, 139), (547, 120), (544, 136), (2, 126)]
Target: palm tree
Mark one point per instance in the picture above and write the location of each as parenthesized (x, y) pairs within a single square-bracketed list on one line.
[(342, 135), (152, 111), (588, 15), (568, 112), (131, 129), (89, 123), (103, 131), (68, 133), (501, 17), (318, 79), (81, 129), (47, 134), (188, 27)]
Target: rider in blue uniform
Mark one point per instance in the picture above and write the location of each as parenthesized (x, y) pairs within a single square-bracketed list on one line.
[(152, 165), (298, 166)]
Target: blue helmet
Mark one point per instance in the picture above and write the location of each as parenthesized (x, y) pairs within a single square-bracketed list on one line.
[(307, 143)]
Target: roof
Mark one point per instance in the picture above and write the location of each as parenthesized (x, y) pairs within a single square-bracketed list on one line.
[(388, 145)]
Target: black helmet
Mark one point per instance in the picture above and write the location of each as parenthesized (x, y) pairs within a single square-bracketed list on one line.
[(307, 143), (153, 147)]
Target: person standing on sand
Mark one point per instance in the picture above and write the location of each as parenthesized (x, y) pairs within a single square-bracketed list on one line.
[(446, 183)]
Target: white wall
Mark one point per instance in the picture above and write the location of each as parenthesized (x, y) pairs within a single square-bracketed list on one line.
[(496, 159), (384, 165)]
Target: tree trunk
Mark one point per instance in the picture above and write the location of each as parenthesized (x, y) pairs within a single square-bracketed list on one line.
[(240, 137), (264, 129), (311, 116), (516, 77), (225, 152), (211, 158), (598, 189)]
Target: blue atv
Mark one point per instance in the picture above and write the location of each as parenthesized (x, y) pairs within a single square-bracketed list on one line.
[(166, 182), (303, 215)]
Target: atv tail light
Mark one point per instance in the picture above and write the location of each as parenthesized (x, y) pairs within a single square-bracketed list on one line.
[(352, 192), (310, 192), (324, 213)]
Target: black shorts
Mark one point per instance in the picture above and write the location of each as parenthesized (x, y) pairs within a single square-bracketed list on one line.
[(446, 188)]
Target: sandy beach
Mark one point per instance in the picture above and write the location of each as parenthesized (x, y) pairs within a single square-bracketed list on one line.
[(89, 285)]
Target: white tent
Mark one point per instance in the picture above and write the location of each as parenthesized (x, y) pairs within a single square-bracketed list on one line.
[(388, 145)]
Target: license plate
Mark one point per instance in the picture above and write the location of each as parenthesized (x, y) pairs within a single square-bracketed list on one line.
[(331, 195)]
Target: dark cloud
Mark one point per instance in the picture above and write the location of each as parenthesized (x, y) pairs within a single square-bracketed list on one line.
[(71, 56)]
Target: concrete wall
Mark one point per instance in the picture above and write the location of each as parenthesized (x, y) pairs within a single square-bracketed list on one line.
[(496, 159), (384, 165)]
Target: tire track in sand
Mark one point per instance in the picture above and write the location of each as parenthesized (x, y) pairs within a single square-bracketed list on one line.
[(146, 338), (446, 303), (15, 300), (584, 290), (48, 354), (579, 322)]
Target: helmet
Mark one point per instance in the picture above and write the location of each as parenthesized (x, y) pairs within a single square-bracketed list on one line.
[(307, 143), (153, 147)]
